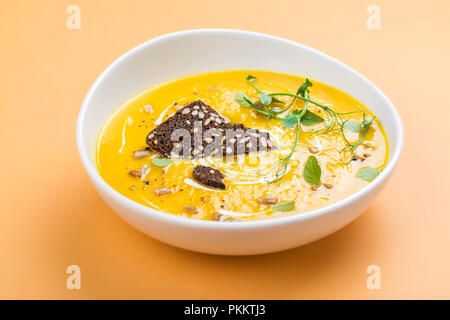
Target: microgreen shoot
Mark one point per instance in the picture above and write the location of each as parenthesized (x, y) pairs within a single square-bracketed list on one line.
[(334, 121), (243, 100), (281, 167), (365, 129)]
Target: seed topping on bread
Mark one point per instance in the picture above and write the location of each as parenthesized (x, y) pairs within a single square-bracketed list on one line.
[(206, 133)]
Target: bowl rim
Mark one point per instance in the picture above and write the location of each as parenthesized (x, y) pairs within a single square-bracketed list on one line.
[(267, 223)]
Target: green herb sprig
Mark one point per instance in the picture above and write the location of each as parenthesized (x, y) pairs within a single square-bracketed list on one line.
[(335, 121), (365, 129), (280, 168)]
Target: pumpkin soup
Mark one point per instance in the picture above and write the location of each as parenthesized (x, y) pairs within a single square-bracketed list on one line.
[(240, 146)]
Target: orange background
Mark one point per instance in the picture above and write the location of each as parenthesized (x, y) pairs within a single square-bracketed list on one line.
[(51, 217)]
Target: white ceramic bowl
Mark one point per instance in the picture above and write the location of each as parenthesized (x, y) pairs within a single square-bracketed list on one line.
[(192, 52)]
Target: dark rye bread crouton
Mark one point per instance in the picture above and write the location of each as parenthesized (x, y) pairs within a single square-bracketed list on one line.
[(208, 133), (209, 177)]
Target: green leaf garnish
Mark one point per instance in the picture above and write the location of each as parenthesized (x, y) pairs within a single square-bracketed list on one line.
[(283, 206), (243, 100), (368, 174), (310, 118), (352, 146), (305, 85), (290, 120), (282, 165), (365, 123), (161, 162), (352, 125), (250, 78), (265, 99), (334, 122), (312, 171)]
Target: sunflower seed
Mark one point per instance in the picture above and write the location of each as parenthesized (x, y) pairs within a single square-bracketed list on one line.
[(162, 191)]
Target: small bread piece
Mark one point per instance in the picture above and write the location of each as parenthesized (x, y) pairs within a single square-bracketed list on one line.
[(209, 176), (197, 117)]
